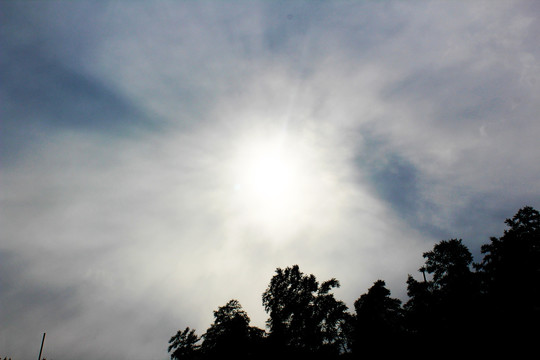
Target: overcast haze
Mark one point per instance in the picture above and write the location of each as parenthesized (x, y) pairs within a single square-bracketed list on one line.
[(161, 158)]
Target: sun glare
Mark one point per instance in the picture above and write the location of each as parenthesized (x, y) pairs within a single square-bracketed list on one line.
[(269, 181), (267, 175)]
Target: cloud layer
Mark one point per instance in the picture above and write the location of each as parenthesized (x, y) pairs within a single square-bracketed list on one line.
[(121, 124)]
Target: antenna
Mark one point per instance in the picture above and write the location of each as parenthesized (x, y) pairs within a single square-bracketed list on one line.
[(41, 349)]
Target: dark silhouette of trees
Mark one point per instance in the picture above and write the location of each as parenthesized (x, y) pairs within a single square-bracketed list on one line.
[(305, 318), (183, 345), (418, 310), (230, 334), (456, 308), (378, 321), (510, 280), (441, 309)]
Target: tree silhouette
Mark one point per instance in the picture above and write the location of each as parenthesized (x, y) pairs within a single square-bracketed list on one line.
[(378, 321), (449, 262), (465, 312), (183, 345), (304, 317), (230, 334), (419, 317), (510, 274), (441, 309)]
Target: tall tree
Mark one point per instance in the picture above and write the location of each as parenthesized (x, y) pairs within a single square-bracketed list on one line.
[(441, 309), (450, 264), (230, 334), (304, 316), (510, 273), (183, 345), (378, 321), (419, 317)]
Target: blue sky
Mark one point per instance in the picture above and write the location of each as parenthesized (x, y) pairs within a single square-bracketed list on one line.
[(134, 135)]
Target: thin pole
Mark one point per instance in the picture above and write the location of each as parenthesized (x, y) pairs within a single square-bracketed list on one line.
[(42, 342)]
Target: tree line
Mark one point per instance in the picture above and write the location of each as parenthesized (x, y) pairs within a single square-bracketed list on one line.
[(456, 307)]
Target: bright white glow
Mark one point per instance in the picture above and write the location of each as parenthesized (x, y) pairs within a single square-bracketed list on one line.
[(271, 182), (268, 175)]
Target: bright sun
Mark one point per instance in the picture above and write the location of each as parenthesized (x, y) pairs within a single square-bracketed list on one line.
[(270, 181), (268, 175)]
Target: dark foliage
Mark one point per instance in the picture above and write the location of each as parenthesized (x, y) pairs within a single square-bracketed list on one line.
[(378, 321), (183, 345), (510, 282), (457, 309), (230, 334), (440, 311), (304, 317)]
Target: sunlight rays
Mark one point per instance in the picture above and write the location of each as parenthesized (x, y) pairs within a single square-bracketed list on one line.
[(273, 179), (268, 177)]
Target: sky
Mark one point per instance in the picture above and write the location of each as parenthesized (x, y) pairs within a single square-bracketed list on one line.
[(158, 159)]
